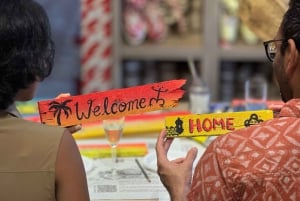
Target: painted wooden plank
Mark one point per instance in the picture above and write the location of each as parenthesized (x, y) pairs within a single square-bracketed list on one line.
[(213, 124), (72, 110)]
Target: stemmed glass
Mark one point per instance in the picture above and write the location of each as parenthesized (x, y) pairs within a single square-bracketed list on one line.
[(113, 129)]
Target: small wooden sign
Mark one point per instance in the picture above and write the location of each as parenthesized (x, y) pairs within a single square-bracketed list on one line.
[(72, 110), (213, 124)]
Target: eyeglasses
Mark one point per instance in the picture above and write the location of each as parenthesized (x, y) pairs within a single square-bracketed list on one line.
[(271, 49)]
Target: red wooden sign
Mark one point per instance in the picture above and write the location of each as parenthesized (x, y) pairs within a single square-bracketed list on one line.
[(72, 110)]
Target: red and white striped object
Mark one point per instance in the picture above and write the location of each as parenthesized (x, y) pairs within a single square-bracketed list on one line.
[(96, 45)]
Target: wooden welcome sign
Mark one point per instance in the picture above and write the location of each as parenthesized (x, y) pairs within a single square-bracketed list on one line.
[(72, 110), (213, 124)]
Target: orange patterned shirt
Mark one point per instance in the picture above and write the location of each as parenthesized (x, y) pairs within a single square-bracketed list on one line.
[(260, 162)]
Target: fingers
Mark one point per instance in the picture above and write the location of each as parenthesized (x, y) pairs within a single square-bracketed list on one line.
[(178, 160), (192, 153), (164, 164), (162, 145), (74, 129), (161, 136), (159, 145), (166, 141), (63, 95), (191, 156), (160, 141), (167, 144)]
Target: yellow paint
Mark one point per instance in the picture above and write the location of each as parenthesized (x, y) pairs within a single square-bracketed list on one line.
[(213, 124), (133, 128)]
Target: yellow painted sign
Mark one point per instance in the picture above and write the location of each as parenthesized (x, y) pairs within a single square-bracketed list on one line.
[(213, 124), (72, 110)]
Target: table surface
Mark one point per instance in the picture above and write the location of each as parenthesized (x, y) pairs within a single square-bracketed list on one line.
[(159, 193), (148, 191)]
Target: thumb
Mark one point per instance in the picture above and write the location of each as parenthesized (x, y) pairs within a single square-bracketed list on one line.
[(191, 155), (62, 95)]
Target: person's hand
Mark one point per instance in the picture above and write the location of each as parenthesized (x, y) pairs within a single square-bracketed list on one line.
[(75, 128), (62, 95), (176, 175)]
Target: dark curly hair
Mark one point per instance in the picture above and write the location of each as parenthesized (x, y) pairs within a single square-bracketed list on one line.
[(290, 26), (26, 47)]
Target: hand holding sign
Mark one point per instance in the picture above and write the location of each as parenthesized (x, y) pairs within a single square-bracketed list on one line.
[(75, 128)]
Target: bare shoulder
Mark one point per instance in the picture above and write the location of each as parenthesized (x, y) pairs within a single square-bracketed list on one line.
[(70, 175)]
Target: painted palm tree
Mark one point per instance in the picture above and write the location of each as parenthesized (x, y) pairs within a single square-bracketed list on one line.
[(58, 108)]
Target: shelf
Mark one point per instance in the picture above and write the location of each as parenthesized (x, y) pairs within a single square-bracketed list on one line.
[(203, 47), (174, 48), (243, 53)]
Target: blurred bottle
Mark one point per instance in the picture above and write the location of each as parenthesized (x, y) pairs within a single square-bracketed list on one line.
[(199, 97), (227, 78), (167, 71), (243, 72), (132, 73), (150, 72), (256, 93)]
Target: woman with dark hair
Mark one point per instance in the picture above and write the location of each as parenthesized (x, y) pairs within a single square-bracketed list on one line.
[(37, 162)]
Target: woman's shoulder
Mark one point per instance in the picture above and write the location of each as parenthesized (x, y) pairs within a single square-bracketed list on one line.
[(32, 127), (33, 133)]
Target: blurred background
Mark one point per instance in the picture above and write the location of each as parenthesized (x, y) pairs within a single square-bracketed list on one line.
[(104, 44)]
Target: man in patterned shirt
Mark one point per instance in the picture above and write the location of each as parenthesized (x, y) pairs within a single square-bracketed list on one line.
[(260, 162)]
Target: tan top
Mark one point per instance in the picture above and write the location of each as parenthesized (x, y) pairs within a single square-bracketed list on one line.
[(28, 153)]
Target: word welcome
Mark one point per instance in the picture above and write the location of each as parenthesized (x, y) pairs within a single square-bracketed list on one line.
[(74, 110), (213, 124)]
